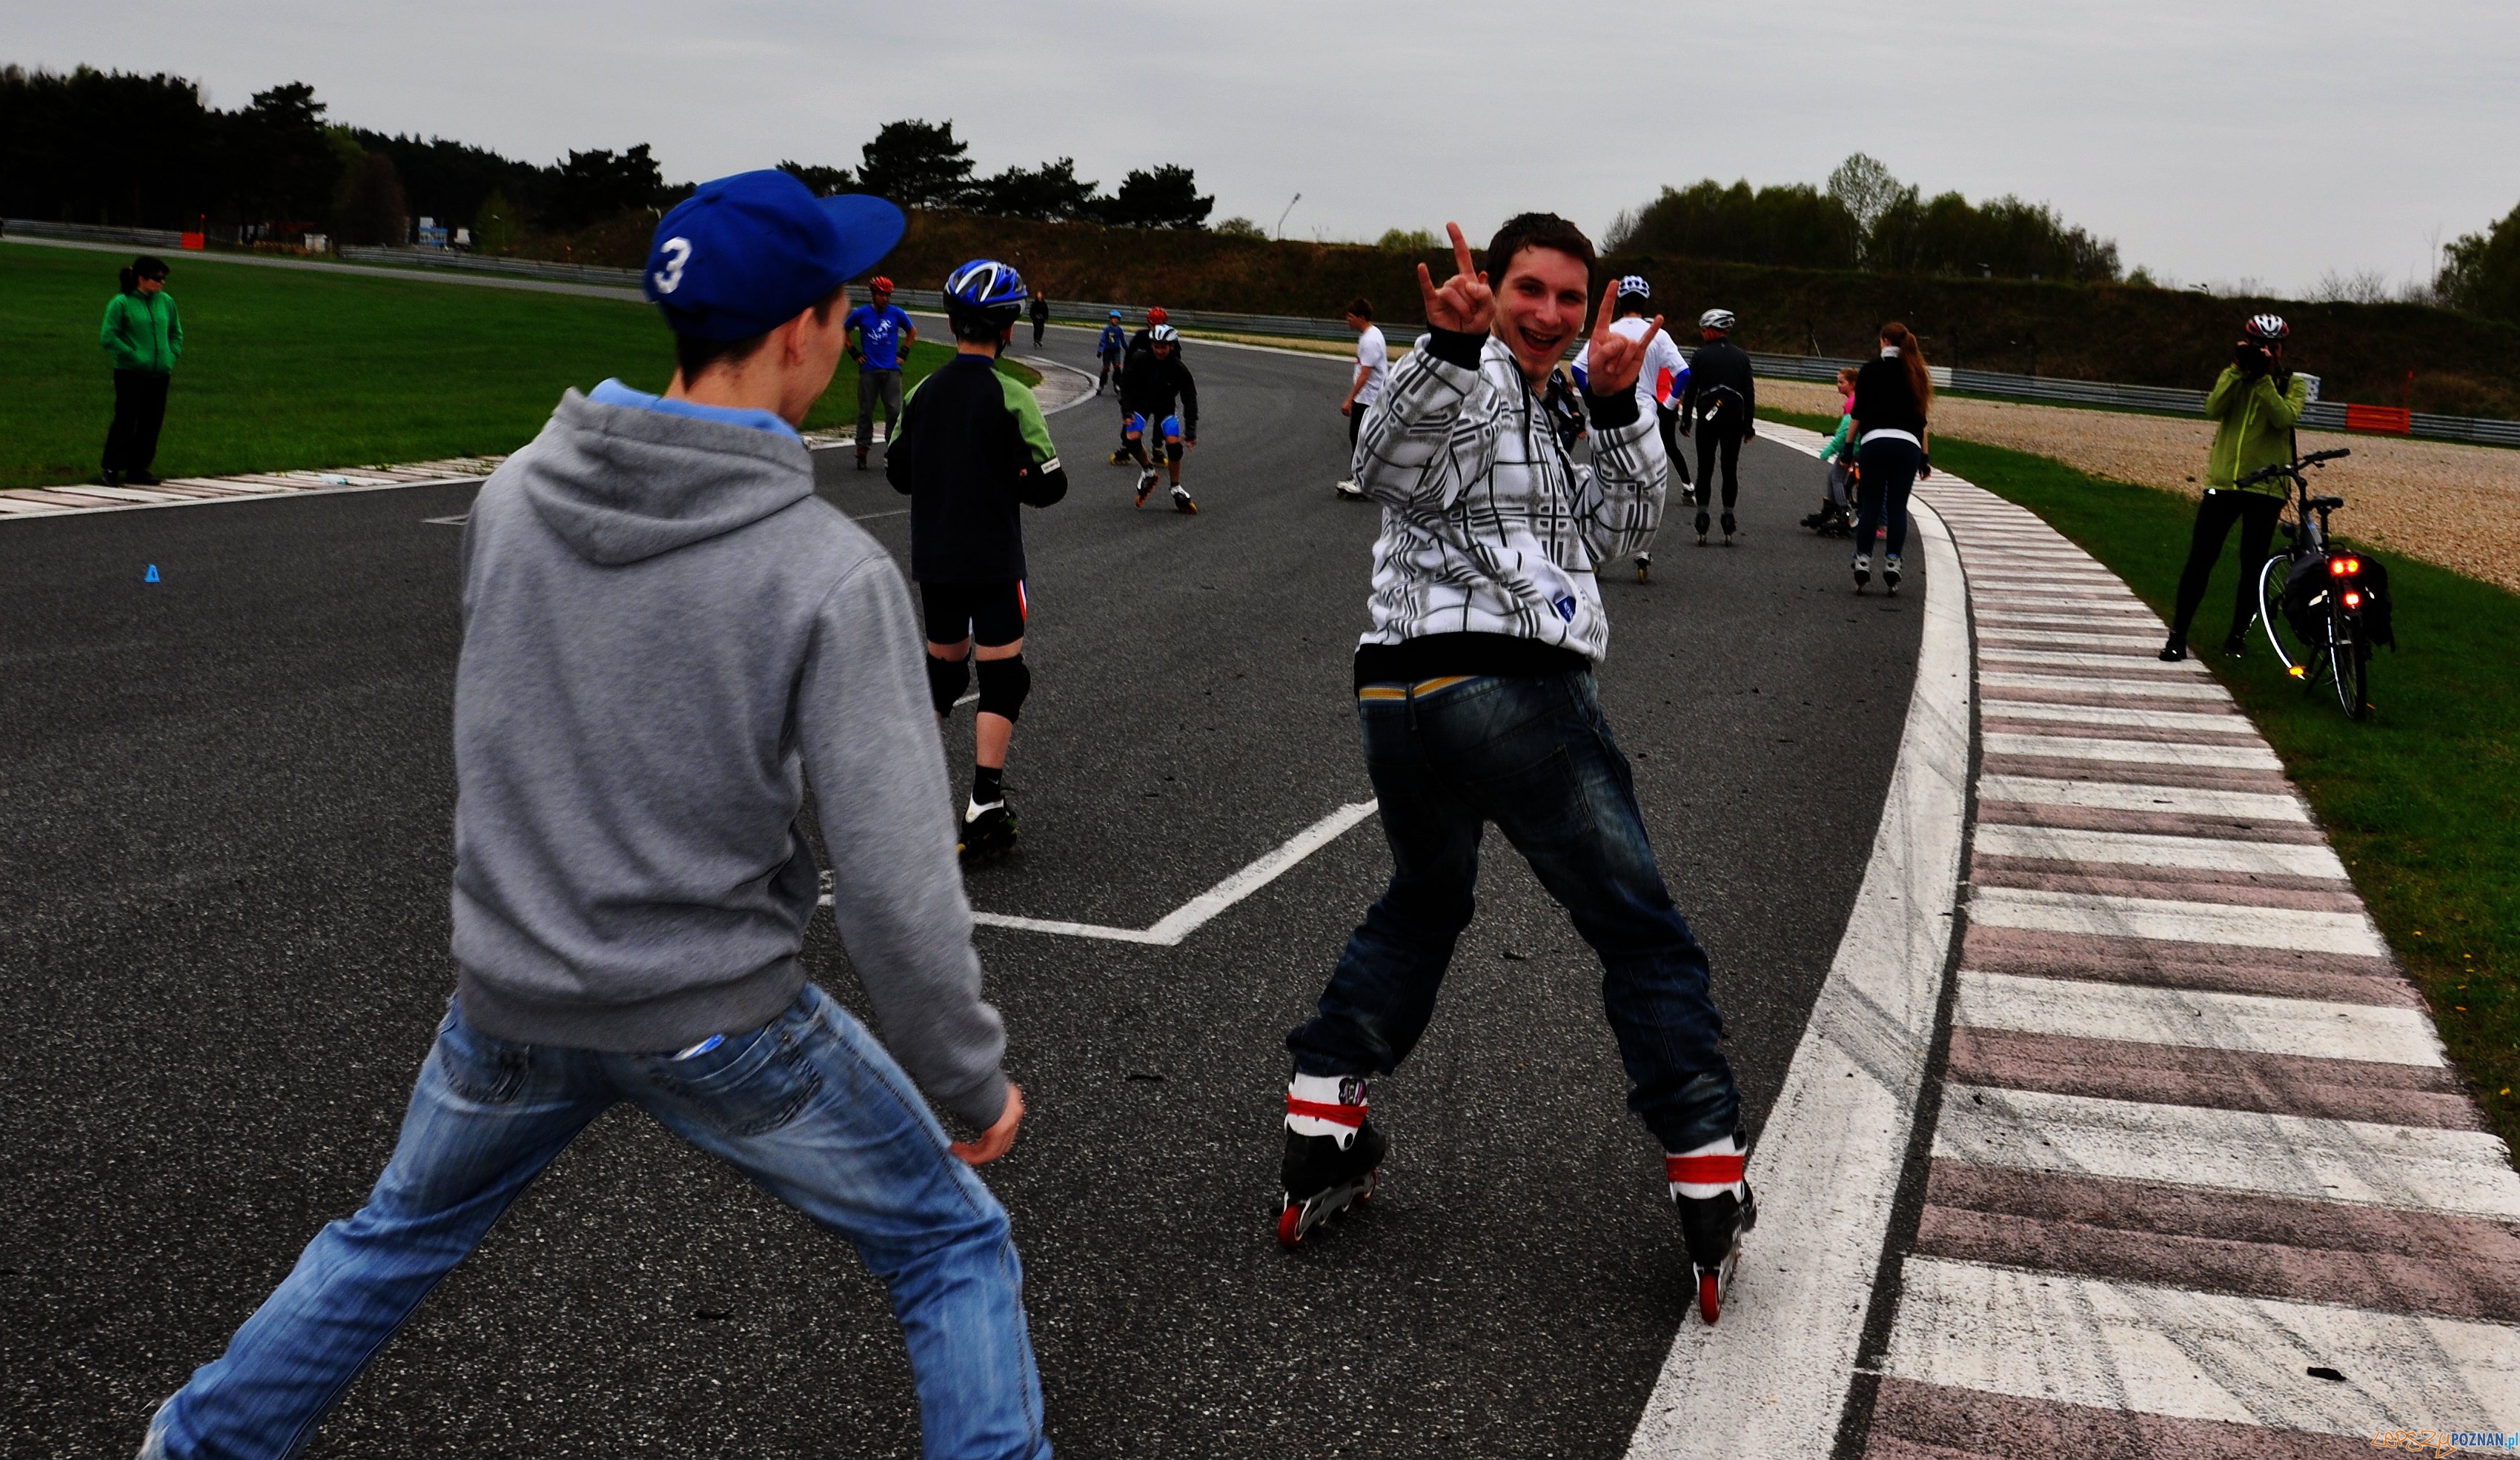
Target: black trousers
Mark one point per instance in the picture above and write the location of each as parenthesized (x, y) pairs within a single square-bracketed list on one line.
[(139, 411), (1038, 324), (1712, 445), (2256, 513)]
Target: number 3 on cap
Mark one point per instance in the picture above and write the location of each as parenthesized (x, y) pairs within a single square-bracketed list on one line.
[(678, 252)]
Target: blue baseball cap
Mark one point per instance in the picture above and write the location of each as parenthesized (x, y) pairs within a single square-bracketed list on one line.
[(744, 254)]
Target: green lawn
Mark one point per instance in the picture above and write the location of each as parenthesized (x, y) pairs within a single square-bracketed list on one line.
[(288, 368), (2422, 800)]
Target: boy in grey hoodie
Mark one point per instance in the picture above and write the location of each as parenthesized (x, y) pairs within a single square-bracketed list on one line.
[(665, 633)]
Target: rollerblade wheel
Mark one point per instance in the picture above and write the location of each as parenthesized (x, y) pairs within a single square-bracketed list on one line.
[(1291, 1226), (1710, 1297)]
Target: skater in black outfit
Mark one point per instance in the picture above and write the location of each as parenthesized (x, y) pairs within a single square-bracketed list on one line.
[(1150, 385), (1892, 395), (1040, 316), (1718, 406), (972, 449)]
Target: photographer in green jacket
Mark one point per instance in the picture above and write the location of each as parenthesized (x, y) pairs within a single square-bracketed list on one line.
[(2254, 406), (145, 336)]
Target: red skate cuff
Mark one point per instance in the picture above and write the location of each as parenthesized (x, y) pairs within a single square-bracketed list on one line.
[(1336, 1115), (1704, 1170)]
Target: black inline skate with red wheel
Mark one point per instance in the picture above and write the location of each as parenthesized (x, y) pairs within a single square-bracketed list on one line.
[(1716, 1207), (1333, 1153)]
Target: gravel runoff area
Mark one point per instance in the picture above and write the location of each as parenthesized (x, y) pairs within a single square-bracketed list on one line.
[(2457, 505)]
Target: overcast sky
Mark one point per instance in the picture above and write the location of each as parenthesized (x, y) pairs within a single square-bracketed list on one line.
[(2215, 141)]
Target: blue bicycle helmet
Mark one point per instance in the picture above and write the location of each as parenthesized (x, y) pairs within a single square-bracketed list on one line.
[(986, 295)]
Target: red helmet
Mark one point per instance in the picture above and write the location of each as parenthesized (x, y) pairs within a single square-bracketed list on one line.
[(1156, 315), (880, 284), (2270, 328)]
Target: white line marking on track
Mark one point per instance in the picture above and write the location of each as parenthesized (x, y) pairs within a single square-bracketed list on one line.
[(1773, 1379), (2160, 688), (1998, 706), (2200, 1355), (1189, 916), (2140, 752), (2235, 925), (2143, 849), (2418, 1168), (2120, 640), (2110, 795), (2250, 1022)]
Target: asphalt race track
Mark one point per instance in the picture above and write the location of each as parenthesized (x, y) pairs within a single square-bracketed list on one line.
[(225, 857)]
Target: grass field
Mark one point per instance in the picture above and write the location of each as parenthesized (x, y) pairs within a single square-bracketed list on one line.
[(2422, 800), (289, 368)]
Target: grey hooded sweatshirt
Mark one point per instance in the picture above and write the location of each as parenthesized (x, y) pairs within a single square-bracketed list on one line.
[(665, 635)]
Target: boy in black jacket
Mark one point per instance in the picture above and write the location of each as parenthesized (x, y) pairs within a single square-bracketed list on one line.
[(972, 447), (1150, 385)]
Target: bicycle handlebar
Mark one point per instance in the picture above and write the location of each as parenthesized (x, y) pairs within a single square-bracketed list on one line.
[(2292, 469)]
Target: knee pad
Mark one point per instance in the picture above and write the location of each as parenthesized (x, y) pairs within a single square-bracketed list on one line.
[(946, 679), (1004, 684), (1173, 451)]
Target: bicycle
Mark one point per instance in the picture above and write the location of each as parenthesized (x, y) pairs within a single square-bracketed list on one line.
[(2314, 601)]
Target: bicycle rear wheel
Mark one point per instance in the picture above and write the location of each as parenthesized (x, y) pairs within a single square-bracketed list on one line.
[(2296, 655), (2349, 659)]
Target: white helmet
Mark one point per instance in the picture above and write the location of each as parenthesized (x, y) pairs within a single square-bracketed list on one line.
[(1633, 287), (1163, 335), (2268, 327), (1716, 319)]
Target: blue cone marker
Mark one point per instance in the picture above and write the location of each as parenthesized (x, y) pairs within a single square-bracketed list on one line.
[(151, 575)]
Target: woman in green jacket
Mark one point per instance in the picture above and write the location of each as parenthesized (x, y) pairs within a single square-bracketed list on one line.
[(145, 336), (2254, 406)]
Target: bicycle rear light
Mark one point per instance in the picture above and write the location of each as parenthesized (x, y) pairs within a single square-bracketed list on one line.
[(2353, 600), (2344, 567)]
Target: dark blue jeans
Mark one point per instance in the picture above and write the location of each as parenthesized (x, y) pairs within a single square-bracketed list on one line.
[(1535, 757), (1889, 476)]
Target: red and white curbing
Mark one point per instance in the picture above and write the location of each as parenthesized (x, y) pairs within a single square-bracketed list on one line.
[(2201, 1179), (196, 491)]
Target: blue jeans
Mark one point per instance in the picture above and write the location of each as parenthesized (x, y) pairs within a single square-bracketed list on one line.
[(809, 1105), (1534, 756)]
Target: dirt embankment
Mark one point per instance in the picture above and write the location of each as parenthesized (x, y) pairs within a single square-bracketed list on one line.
[(2457, 505)]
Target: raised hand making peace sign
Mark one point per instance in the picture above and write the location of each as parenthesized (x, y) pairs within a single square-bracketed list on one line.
[(1464, 304), (1617, 360)]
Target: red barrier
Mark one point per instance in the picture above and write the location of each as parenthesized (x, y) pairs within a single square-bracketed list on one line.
[(197, 240), (2391, 419)]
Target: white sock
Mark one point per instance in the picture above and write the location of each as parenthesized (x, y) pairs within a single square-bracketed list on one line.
[(1711, 1170), (1321, 1105)]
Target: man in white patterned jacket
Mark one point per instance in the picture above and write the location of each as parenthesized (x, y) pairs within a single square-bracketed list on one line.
[(1474, 687)]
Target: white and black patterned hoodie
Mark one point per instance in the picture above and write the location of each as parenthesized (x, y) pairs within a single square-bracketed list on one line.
[(1490, 531)]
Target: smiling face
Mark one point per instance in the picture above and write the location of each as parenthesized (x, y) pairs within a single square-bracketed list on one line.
[(1540, 308)]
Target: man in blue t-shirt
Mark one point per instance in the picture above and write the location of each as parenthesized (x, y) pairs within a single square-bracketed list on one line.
[(880, 335)]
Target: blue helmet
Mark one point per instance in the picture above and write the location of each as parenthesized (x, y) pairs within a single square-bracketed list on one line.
[(985, 291)]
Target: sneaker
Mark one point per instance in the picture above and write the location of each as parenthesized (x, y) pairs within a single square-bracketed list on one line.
[(1349, 489), (108, 478), (140, 478), (1182, 503), (1890, 572), (2174, 650), (988, 833), (1146, 484), (1862, 571)]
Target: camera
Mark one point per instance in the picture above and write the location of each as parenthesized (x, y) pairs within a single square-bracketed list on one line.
[(2251, 357)]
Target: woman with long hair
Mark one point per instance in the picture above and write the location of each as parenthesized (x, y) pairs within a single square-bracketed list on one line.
[(1893, 393)]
